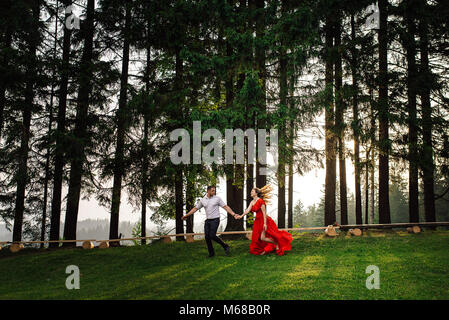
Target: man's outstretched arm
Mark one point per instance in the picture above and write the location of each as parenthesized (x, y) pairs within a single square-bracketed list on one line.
[(229, 210), (190, 213)]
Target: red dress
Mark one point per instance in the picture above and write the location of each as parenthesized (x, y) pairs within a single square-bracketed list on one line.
[(283, 238)]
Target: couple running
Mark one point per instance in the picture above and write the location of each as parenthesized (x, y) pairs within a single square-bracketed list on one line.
[(266, 237)]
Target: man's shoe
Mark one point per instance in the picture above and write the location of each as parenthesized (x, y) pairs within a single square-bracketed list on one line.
[(211, 256), (227, 250)]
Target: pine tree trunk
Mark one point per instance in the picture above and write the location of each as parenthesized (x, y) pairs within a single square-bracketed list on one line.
[(179, 182), (427, 162), (356, 128), (330, 180), (384, 201), (260, 56), (146, 120), (60, 131), (291, 139), (121, 130), (340, 125), (80, 132), (283, 91), (190, 199), (47, 158), (22, 173), (412, 120)]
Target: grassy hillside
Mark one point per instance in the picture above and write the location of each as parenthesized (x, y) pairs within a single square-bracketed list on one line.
[(411, 267)]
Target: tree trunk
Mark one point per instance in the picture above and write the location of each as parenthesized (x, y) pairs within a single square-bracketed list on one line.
[(356, 128), (80, 132), (260, 56), (121, 130), (291, 139), (146, 120), (47, 156), (412, 120), (427, 163), (340, 124), (283, 91), (179, 182), (330, 183), (384, 143), (60, 132), (190, 202), (22, 174)]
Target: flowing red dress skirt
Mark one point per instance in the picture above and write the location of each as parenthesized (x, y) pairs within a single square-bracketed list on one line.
[(283, 238)]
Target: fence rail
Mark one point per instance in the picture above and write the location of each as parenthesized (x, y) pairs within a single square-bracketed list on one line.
[(342, 227)]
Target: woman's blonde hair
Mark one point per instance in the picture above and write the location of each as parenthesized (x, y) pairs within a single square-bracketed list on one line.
[(264, 193)]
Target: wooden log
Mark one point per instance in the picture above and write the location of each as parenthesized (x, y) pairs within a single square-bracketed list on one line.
[(355, 232), (16, 247), (166, 239), (330, 231), (414, 229), (88, 245), (104, 245), (189, 239)]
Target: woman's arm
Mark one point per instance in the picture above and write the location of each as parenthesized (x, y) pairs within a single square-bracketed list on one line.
[(248, 210)]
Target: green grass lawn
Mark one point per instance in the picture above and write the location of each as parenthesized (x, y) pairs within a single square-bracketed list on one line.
[(412, 266)]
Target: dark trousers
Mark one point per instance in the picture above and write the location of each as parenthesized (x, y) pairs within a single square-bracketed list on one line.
[(210, 233)]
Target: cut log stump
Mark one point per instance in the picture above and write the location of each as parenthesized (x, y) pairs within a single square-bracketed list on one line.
[(104, 245), (166, 239), (88, 245), (414, 229), (330, 231), (249, 235), (189, 238), (16, 247), (355, 232)]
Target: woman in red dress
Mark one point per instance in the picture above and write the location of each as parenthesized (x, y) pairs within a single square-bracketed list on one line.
[(266, 236)]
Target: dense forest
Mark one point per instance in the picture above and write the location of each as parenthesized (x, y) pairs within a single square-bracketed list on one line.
[(90, 92)]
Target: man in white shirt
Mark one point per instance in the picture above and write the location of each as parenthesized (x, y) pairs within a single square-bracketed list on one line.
[(211, 204)]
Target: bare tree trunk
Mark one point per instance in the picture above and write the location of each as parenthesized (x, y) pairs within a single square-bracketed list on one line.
[(356, 128), (60, 131), (22, 174), (283, 91), (260, 57), (330, 145), (80, 131), (427, 162), (121, 130), (179, 182), (340, 124), (367, 163), (412, 120), (291, 139), (50, 123), (373, 167), (384, 149)]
